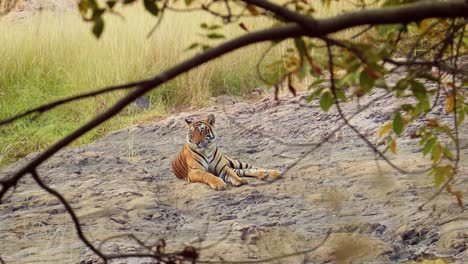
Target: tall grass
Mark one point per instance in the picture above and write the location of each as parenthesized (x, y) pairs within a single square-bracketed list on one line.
[(53, 55)]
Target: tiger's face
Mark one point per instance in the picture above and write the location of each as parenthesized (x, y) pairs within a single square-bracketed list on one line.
[(201, 134)]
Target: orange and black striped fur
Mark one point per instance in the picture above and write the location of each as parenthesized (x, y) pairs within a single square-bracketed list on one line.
[(200, 160)]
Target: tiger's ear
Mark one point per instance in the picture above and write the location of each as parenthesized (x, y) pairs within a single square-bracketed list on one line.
[(188, 121), (211, 119)]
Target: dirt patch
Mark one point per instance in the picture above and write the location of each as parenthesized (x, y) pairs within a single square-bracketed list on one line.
[(123, 184)]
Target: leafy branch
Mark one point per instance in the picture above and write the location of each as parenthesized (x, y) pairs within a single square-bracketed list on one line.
[(363, 65)]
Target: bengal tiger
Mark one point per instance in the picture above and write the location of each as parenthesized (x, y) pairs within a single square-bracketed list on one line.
[(200, 160)]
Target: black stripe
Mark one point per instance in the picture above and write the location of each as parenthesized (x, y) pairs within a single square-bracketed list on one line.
[(222, 176), (199, 162), (223, 168), (231, 163), (214, 156), (217, 163), (199, 154)]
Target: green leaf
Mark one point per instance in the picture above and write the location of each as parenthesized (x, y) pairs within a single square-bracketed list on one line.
[(214, 27), (209, 27), (188, 2), (98, 27), (398, 124), (300, 46), (340, 94), (349, 79), (192, 46), (353, 67), (151, 6), (326, 101), (425, 138), (448, 154), (97, 13), (315, 94), (93, 4), (315, 83), (366, 81), (304, 71), (111, 3), (215, 36), (429, 146), (407, 107), (419, 90), (401, 87), (460, 117)]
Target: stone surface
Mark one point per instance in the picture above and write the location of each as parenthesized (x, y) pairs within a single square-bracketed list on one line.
[(123, 184)]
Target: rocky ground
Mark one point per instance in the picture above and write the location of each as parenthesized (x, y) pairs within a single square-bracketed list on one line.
[(19, 9), (123, 184)]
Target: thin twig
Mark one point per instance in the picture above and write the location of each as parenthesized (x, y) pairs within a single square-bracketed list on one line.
[(261, 59), (160, 18), (324, 140), (70, 211), (455, 123), (343, 117), (131, 236), (47, 107), (297, 253)]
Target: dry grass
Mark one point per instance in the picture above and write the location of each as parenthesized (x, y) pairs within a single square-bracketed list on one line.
[(53, 55)]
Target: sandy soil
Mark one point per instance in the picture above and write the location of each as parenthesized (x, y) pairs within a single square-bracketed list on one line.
[(123, 184)]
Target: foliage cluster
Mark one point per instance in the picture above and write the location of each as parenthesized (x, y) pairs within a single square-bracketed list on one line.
[(427, 44)]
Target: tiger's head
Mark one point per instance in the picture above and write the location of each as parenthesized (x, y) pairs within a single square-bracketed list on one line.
[(201, 134)]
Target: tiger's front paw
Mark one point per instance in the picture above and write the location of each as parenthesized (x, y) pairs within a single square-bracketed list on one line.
[(261, 174), (239, 181), (217, 184), (274, 173)]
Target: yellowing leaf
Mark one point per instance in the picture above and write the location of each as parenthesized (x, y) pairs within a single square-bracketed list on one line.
[(436, 153), (372, 73), (424, 25), (450, 104), (393, 147), (459, 196), (252, 10), (385, 129), (83, 7)]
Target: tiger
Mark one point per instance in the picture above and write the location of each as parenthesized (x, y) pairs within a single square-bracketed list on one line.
[(201, 160)]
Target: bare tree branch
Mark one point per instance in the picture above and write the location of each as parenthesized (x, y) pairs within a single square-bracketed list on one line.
[(455, 124), (147, 85), (50, 106), (345, 119), (315, 28), (302, 26)]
